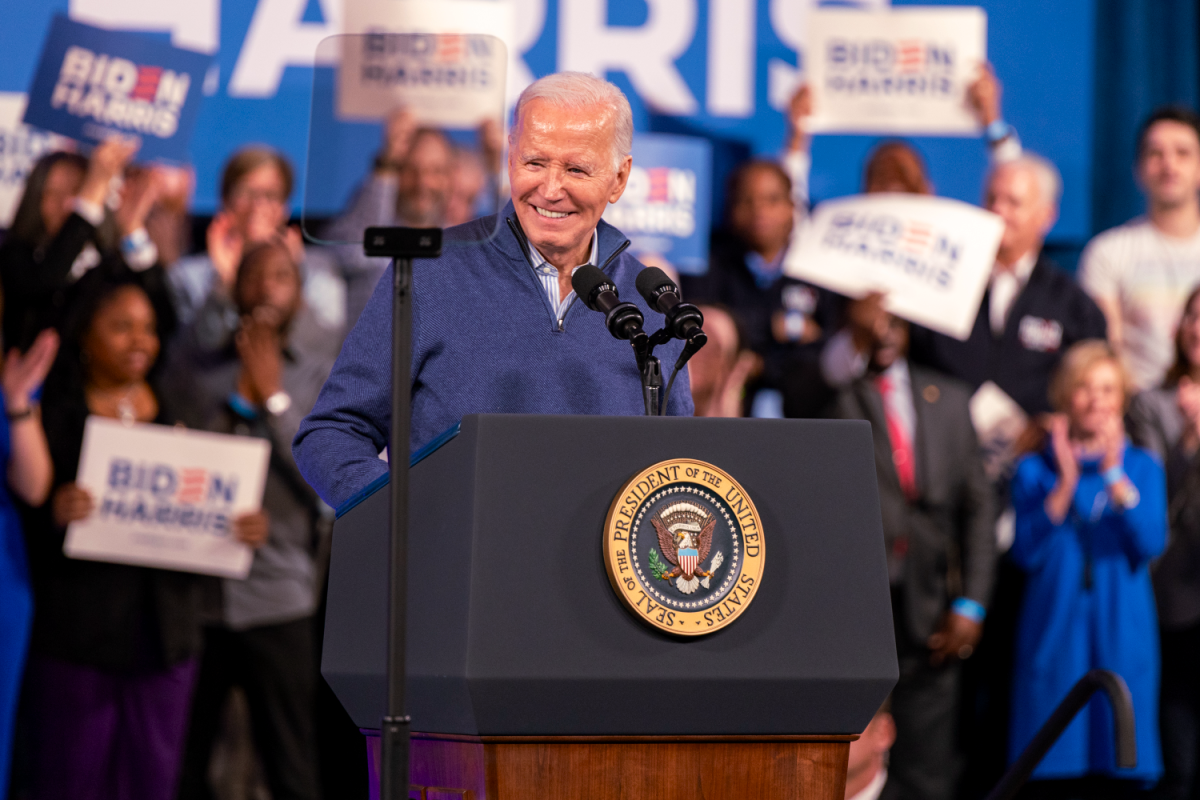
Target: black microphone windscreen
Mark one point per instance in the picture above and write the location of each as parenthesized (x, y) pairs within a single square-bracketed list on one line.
[(586, 279), (650, 280)]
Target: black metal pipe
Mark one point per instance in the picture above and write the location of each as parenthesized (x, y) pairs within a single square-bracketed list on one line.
[(393, 783), (1125, 739)]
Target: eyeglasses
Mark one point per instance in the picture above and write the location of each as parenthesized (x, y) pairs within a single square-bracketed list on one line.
[(253, 196)]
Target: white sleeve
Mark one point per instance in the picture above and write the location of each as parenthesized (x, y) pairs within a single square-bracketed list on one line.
[(1099, 271), (841, 363)]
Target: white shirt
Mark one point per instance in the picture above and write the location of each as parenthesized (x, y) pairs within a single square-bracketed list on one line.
[(873, 789), (1148, 274), (1005, 285)]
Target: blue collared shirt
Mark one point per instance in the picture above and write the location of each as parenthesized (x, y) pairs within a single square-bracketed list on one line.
[(548, 275)]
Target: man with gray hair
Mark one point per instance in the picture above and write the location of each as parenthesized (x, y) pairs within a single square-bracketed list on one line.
[(1032, 311), (496, 325), (1030, 314)]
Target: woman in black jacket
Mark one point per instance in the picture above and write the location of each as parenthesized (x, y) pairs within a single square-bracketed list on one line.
[(63, 230), (114, 647)]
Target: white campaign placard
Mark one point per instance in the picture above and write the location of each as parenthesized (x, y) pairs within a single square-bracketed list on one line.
[(931, 256), (450, 73), (901, 71), (167, 497)]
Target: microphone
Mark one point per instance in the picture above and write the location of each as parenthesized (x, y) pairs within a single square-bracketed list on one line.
[(684, 320), (598, 293)]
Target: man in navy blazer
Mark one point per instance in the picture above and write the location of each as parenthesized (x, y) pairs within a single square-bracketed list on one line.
[(496, 325)]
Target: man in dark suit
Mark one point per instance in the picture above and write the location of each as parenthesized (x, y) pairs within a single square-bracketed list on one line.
[(1032, 310), (937, 513)]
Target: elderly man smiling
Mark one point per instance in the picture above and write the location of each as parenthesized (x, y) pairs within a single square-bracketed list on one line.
[(496, 326)]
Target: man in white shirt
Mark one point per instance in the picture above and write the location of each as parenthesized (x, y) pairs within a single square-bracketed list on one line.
[(1140, 273)]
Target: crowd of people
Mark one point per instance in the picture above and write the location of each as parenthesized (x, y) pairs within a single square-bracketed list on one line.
[(1021, 555)]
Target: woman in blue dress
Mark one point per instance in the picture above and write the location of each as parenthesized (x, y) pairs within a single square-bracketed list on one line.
[(1091, 514), (28, 475)]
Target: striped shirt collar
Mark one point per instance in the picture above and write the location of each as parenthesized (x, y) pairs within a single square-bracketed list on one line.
[(548, 275)]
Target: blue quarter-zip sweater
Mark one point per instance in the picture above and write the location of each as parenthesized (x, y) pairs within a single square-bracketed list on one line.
[(485, 341)]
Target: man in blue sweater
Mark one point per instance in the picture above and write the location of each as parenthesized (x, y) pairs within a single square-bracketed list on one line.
[(496, 325)]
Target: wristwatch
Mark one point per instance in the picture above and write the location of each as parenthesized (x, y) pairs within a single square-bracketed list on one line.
[(278, 403)]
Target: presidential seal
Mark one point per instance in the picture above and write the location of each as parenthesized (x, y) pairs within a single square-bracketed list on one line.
[(683, 546)]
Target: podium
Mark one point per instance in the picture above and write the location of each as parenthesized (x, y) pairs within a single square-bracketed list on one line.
[(528, 677)]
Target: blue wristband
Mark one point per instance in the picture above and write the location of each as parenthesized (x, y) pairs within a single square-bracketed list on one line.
[(242, 407), (966, 607), (998, 130), (1113, 475)]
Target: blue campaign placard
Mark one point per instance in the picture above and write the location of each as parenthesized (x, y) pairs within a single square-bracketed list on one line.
[(93, 83), (665, 210)]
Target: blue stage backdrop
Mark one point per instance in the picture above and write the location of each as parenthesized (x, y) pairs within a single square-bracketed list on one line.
[(715, 68)]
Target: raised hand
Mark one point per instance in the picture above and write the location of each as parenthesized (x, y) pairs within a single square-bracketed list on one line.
[(491, 145), (397, 139), (108, 161), (1058, 502), (868, 321), (142, 190), (22, 374), (225, 247), (984, 95), (1064, 453), (800, 108)]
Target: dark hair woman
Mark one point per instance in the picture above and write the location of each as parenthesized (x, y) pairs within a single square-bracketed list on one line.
[(63, 231), (1166, 421), (113, 652)]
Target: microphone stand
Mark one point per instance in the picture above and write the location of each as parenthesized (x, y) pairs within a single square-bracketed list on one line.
[(402, 245), (651, 370)]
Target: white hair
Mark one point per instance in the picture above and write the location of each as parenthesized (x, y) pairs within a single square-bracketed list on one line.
[(1048, 178), (582, 90)]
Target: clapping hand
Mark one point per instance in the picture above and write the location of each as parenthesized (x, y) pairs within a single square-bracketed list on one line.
[(258, 346), (225, 247), (23, 374)]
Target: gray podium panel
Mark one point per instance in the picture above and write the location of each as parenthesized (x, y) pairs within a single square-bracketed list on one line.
[(515, 630)]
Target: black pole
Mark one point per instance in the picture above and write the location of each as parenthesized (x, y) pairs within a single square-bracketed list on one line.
[(402, 245), (1124, 733), (394, 769)]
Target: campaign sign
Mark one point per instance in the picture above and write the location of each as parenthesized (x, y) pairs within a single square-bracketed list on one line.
[(448, 80), (665, 208), (93, 83), (931, 256), (167, 497), (903, 70)]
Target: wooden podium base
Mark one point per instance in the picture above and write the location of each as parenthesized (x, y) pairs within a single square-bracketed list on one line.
[(627, 768)]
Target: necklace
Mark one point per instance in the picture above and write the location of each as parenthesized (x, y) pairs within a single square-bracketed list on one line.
[(126, 410)]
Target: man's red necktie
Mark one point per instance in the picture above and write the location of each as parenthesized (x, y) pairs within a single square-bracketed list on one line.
[(902, 449)]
